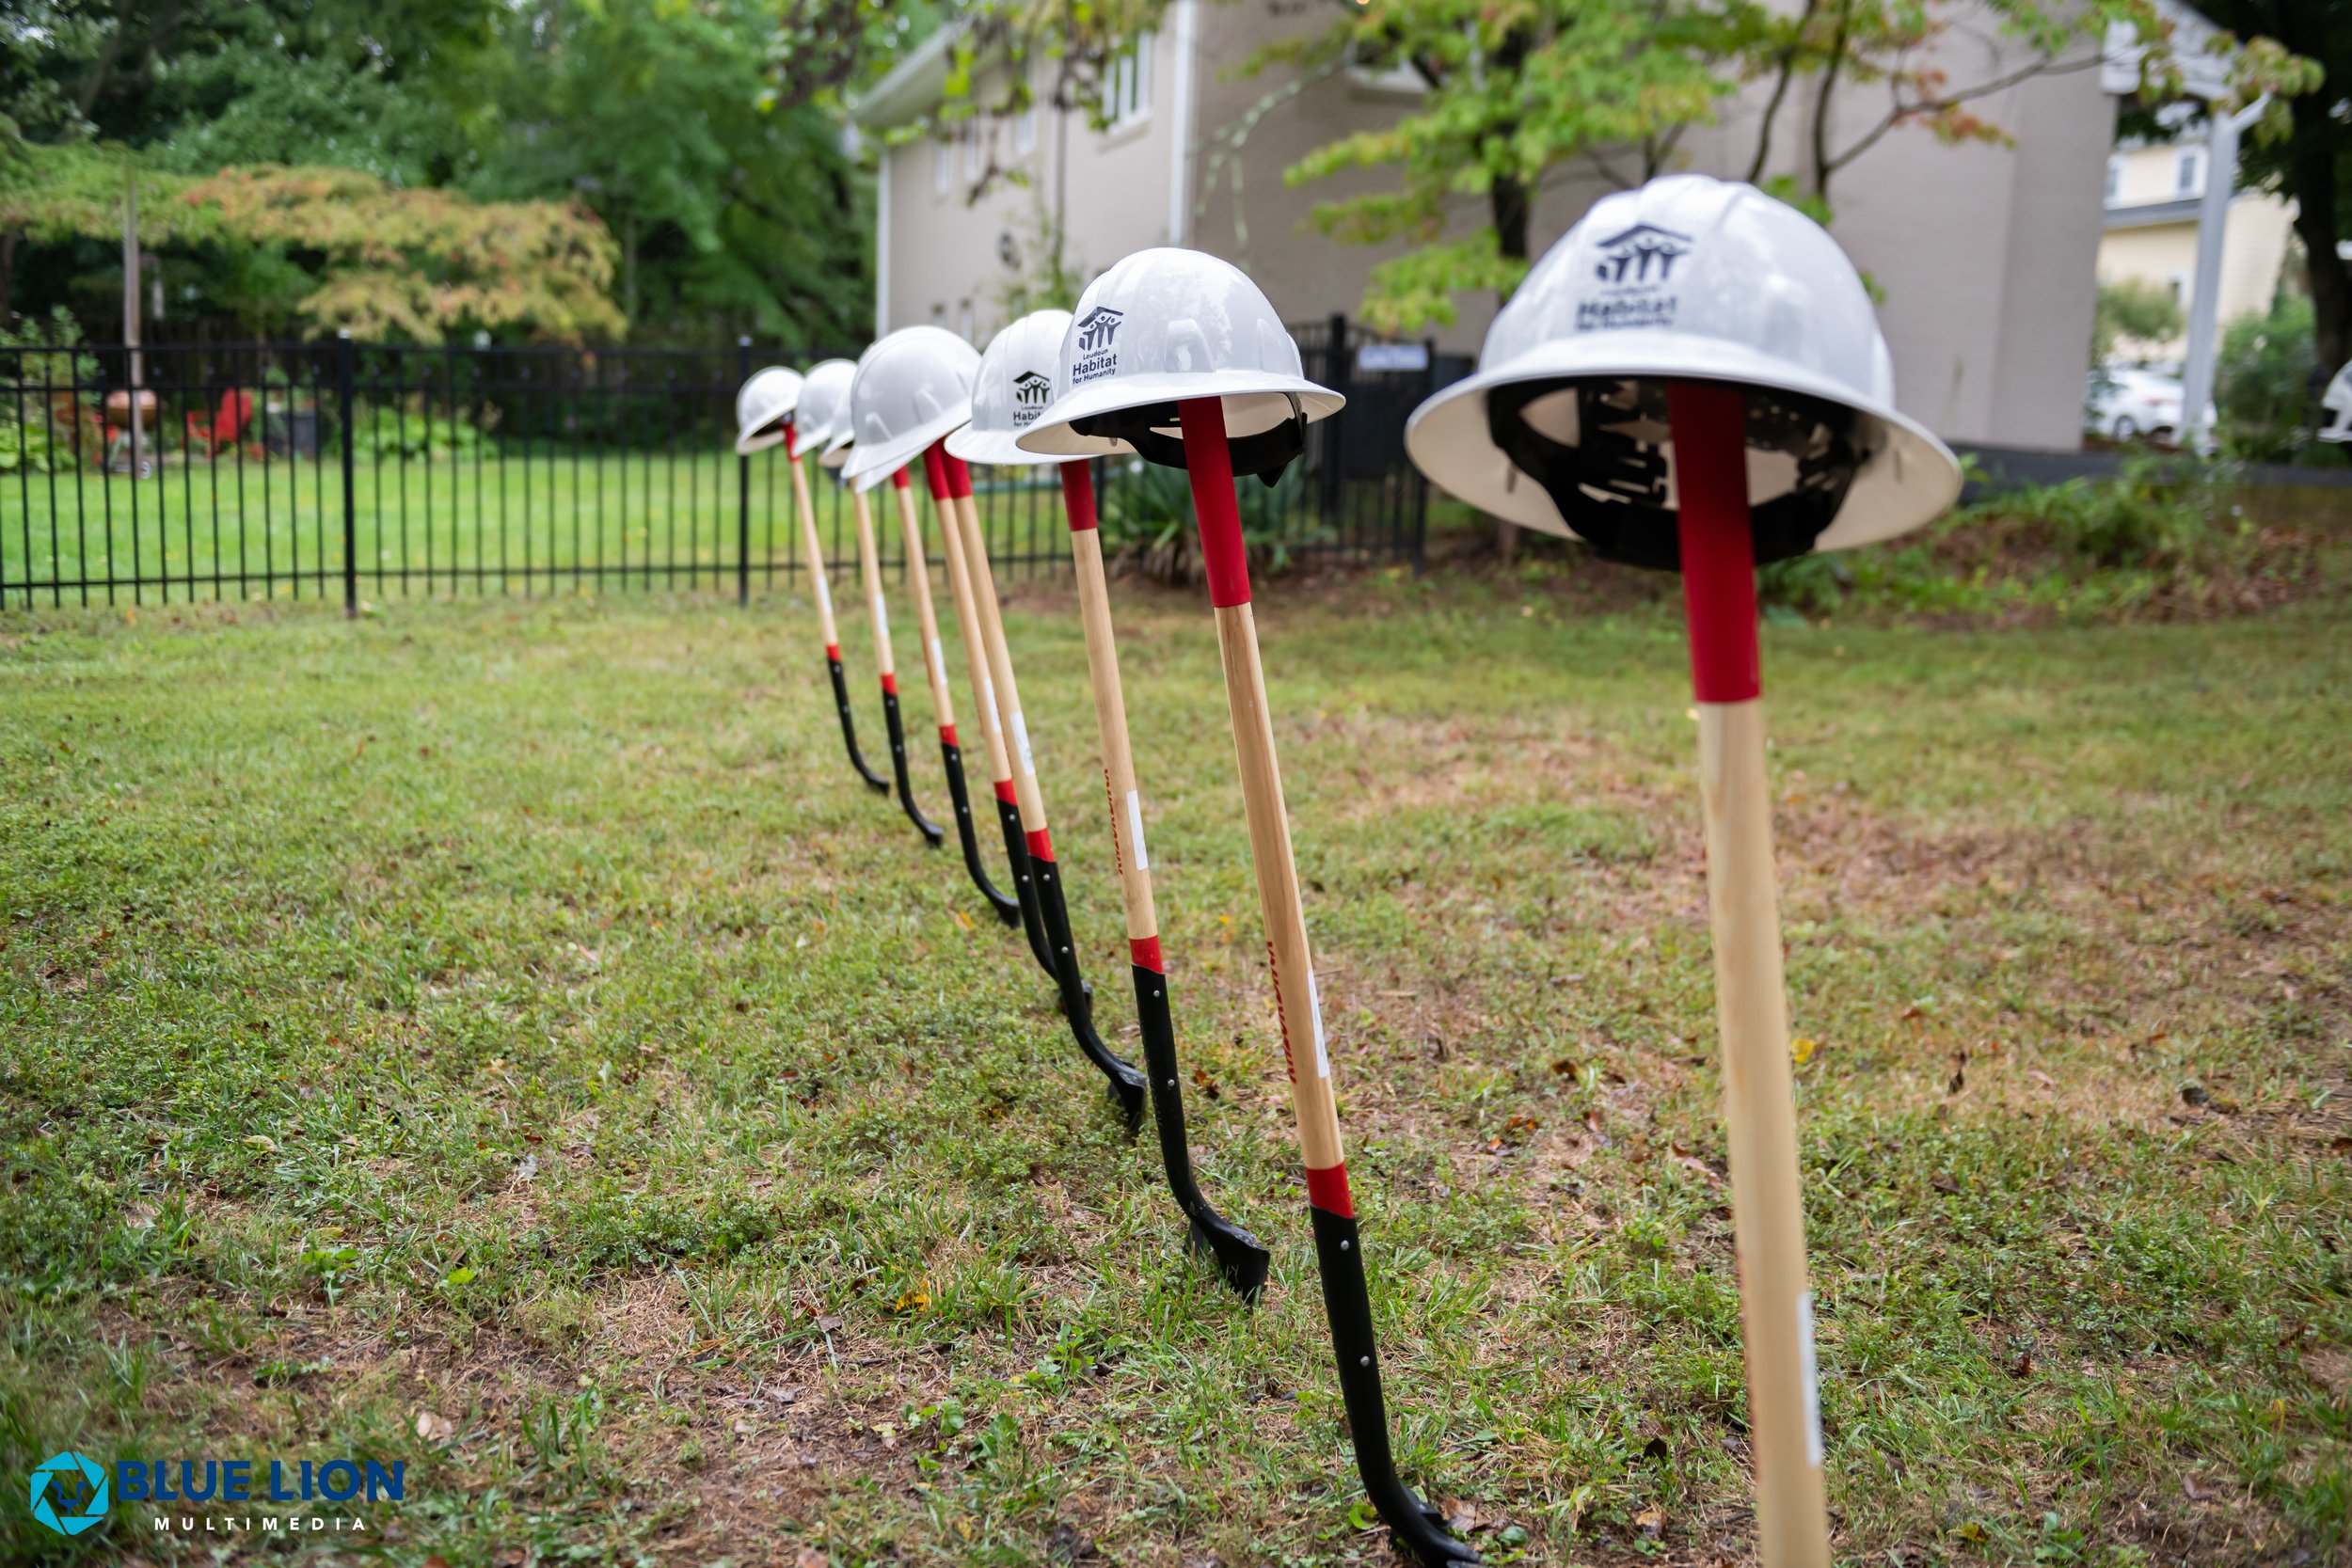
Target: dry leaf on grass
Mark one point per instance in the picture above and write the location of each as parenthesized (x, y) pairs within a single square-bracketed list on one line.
[(434, 1428)]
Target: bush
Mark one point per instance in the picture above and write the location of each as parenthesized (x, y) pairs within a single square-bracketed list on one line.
[(2265, 382), (2132, 311), (37, 361), (1146, 517), (389, 431)]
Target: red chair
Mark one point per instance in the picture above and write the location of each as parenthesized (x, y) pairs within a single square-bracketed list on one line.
[(216, 433)]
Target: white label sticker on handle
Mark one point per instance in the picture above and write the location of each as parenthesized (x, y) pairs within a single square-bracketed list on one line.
[(881, 618), (824, 596), (1135, 829), (939, 667), (1811, 1369), (1314, 1015), (1021, 744)]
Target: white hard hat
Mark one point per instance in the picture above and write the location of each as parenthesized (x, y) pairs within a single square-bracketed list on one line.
[(2337, 401), (911, 389), (1564, 426), (1015, 386), (824, 405), (1165, 326), (762, 406)]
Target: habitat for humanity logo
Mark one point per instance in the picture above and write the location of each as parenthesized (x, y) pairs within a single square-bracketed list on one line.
[(1032, 391), (1097, 331), (1634, 269), (72, 1492), (69, 1493)]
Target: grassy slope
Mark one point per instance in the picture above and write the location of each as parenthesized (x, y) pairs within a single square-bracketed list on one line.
[(514, 1013)]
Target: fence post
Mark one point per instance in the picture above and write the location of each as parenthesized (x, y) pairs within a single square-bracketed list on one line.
[(1336, 376), (742, 490), (345, 352)]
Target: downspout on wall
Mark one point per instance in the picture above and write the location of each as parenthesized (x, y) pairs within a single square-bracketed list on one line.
[(1180, 172)]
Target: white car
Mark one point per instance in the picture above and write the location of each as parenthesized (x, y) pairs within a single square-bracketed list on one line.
[(2135, 404)]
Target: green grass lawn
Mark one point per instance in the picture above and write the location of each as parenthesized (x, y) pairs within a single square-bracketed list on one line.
[(528, 522), (505, 1039)]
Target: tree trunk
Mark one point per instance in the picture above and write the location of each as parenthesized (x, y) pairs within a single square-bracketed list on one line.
[(7, 277), (2311, 181), (629, 267), (1510, 203)]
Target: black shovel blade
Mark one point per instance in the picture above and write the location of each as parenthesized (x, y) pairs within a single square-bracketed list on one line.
[(967, 835), (896, 725), (1236, 1253), (1419, 1528), (1127, 1084), (874, 780)]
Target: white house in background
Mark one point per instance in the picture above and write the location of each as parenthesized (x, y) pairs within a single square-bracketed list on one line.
[(2153, 193), (1984, 255)]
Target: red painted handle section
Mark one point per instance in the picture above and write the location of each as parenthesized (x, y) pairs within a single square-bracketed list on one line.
[(935, 469), (1209, 463), (1718, 545), (1327, 1191), (1144, 952), (791, 443), (959, 474), (1077, 494), (899, 480)]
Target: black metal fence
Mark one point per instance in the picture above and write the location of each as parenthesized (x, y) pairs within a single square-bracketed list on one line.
[(352, 471)]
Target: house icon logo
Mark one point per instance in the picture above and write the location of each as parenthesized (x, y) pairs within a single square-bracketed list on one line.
[(1643, 254), (1635, 270), (1032, 391), (1097, 329)]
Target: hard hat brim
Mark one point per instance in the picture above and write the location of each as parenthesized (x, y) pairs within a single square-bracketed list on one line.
[(836, 455), (1254, 401), (759, 437), (975, 445), (906, 446), (1910, 478)]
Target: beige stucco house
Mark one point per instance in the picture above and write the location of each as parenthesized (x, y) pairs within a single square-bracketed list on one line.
[(2153, 193), (1983, 254)]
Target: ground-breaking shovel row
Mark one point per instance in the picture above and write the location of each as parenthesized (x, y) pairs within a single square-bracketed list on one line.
[(1691, 380)]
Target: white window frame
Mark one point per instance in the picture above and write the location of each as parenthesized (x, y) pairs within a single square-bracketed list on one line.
[(971, 150), (2114, 180), (2188, 172), (1127, 87), (943, 166)]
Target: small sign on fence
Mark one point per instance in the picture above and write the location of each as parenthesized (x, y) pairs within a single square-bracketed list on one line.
[(1371, 358)]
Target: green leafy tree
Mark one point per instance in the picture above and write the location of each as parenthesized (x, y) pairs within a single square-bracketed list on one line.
[(2263, 381), (2304, 150), (729, 189), (1512, 91), (2132, 311), (366, 255), (1518, 89)]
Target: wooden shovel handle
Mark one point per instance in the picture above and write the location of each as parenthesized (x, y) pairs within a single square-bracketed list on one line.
[(1210, 464), (926, 618), (1110, 717), (1031, 798), (968, 621), (870, 575), (1751, 996), (817, 583)]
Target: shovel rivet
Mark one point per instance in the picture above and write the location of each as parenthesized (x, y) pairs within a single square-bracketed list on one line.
[(1344, 1245), (1363, 1361)]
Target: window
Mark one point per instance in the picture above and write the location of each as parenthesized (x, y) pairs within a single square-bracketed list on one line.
[(943, 167), (971, 150), (1024, 129), (2115, 180), (1127, 91), (2189, 173)]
